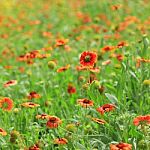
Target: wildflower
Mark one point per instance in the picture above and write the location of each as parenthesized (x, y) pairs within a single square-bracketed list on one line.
[(84, 68), (60, 141), (85, 102), (10, 83), (88, 59), (71, 89), (3, 132), (61, 42), (121, 44), (42, 116), (34, 147), (53, 122), (6, 104), (108, 48), (143, 60), (99, 121), (141, 119), (105, 108), (121, 146), (115, 7), (29, 105), (62, 69), (32, 95)]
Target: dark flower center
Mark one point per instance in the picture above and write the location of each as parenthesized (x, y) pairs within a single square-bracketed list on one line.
[(1, 130), (87, 58), (52, 120), (86, 101)]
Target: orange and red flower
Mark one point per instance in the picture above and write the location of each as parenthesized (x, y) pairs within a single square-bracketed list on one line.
[(53, 122), (10, 83), (85, 102), (3, 132), (99, 121), (108, 48), (141, 119), (60, 141), (88, 59), (121, 146), (71, 89), (32, 95), (6, 104), (29, 105), (61, 42), (106, 108), (42, 116), (62, 69), (34, 147), (92, 69), (121, 44)]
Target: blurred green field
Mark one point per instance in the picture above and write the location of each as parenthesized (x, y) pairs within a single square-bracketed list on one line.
[(38, 38)]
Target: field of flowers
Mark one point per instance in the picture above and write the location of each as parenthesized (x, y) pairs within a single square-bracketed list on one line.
[(74, 75)]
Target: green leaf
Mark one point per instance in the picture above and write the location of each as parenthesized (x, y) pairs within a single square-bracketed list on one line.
[(112, 98)]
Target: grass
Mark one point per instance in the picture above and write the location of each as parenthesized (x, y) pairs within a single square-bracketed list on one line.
[(89, 25)]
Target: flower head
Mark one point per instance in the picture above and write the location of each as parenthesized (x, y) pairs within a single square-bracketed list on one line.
[(71, 89), (53, 122), (29, 105), (60, 141), (3, 132), (42, 116), (85, 102), (108, 48), (10, 83), (121, 146), (6, 104), (62, 69), (61, 42), (88, 59), (32, 95), (105, 108), (99, 121), (141, 119), (34, 147)]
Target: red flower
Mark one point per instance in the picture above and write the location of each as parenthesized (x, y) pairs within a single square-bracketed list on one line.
[(34, 147), (60, 141), (3, 132), (71, 89), (105, 108), (32, 95), (92, 69), (62, 69), (108, 48), (141, 119), (85, 102), (121, 146), (61, 42), (99, 121), (6, 104), (88, 59), (122, 44), (29, 105), (42, 116), (53, 122), (10, 83)]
